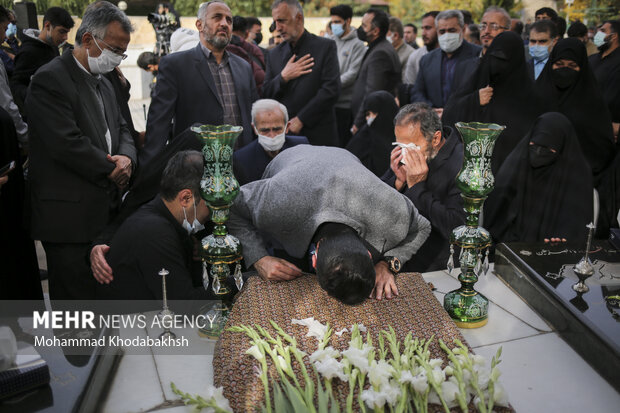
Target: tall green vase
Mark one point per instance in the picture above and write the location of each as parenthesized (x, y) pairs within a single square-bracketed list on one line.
[(220, 250), (467, 307)]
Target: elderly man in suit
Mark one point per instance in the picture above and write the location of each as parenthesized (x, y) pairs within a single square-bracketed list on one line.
[(270, 122), (434, 83), (303, 74), (205, 84), (299, 202), (81, 152), (380, 68)]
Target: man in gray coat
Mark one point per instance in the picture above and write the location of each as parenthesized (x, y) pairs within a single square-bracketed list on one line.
[(324, 197)]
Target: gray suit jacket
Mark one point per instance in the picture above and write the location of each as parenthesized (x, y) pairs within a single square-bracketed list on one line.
[(306, 186), (186, 93), (72, 197)]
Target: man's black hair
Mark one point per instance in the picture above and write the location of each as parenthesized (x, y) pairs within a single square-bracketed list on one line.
[(380, 19), (344, 268), (561, 25), (415, 29), (272, 27), (58, 16), (518, 27), (432, 14), (467, 17), (240, 24), (615, 25), (577, 29), (342, 10), (4, 15), (252, 21), (545, 26), (183, 171), (548, 11), (147, 58)]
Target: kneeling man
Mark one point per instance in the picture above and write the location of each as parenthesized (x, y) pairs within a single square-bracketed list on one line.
[(157, 236), (323, 197)]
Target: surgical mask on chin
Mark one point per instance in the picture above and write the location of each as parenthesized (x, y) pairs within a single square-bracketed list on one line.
[(195, 226), (599, 39), (271, 144), (337, 29), (105, 62), (539, 53), (449, 42), (370, 120), (390, 39), (11, 30)]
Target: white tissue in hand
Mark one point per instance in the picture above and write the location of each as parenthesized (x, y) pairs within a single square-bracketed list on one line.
[(403, 149), (8, 348)]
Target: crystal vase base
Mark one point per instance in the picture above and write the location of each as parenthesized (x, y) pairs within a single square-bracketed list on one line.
[(467, 307)]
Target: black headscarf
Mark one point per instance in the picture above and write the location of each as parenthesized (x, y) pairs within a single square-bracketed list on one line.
[(540, 194), (373, 144), (514, 104), (581, 101)]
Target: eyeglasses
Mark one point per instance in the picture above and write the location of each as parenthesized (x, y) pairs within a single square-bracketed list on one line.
[(114, 50), (275, 129), (493, 26)]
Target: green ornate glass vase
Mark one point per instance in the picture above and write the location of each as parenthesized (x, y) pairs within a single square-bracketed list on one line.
[(220, 250), (467, 307)]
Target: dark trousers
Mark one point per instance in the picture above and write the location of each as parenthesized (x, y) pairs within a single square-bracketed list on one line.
[(68, 270), (344, 119)]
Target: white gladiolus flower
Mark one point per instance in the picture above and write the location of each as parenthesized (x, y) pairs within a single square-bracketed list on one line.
[(327, 352), (406, 377), (358, 357), (483, 378), (217, 394), (438, 376), (380, 373), (433, 397), (255, 352), (283, 364), (420, 384), (330, 368), (478, 360), (404, 359), (448, 371), (435, 363), (341, 332), (500, 395), (391, 390), (449, 390), (374, 399), (361, 328), (495, 373), (315, 328)]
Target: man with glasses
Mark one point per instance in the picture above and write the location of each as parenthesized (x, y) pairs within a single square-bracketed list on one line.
[(81, 152), (38, 48), (270, 123), (495, 20)]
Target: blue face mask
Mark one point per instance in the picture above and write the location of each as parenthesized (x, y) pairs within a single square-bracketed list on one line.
[(337, 29), (539, 52), (11, 30)]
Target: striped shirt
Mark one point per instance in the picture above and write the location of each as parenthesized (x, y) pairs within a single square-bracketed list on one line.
[(222, 76)]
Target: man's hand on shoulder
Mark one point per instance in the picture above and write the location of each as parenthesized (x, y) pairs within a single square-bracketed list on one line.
[(99, 265), (385, 283), (276, 269)]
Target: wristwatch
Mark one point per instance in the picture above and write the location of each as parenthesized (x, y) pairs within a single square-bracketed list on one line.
[(393, 264)]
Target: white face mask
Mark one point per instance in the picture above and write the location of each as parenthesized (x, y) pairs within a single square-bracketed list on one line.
[(194, 226), (390, 39), (370, 120), (271, 144), (449, 42), (105, 62), (599, 39)]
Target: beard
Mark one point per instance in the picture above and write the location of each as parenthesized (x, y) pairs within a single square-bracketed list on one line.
[(216, 41)]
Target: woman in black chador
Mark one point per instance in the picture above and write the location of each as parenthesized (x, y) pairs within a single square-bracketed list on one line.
[(568, 83), (514, 103), (544, 188), (372, 144)]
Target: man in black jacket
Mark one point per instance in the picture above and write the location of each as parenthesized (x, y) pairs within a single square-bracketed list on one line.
[(427, 177), (38, 48), (380, 68), (303, 74)]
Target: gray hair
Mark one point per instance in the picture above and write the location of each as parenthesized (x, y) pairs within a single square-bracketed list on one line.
[(292, 4), (419, 114), (97, 17), (268, 105), (450, 14), (503, 12), (202, 10)]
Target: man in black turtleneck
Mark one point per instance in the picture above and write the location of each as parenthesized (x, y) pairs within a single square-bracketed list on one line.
[(303, 74)]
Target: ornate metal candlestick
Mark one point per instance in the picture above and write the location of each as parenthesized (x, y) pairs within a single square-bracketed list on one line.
[(219, 188), (467, 307), (165, 315), (584, 268)]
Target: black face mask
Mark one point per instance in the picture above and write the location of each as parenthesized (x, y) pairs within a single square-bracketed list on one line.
[(541, 156), (361, 34), (564, 77), (499, 67), (258, 38)]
